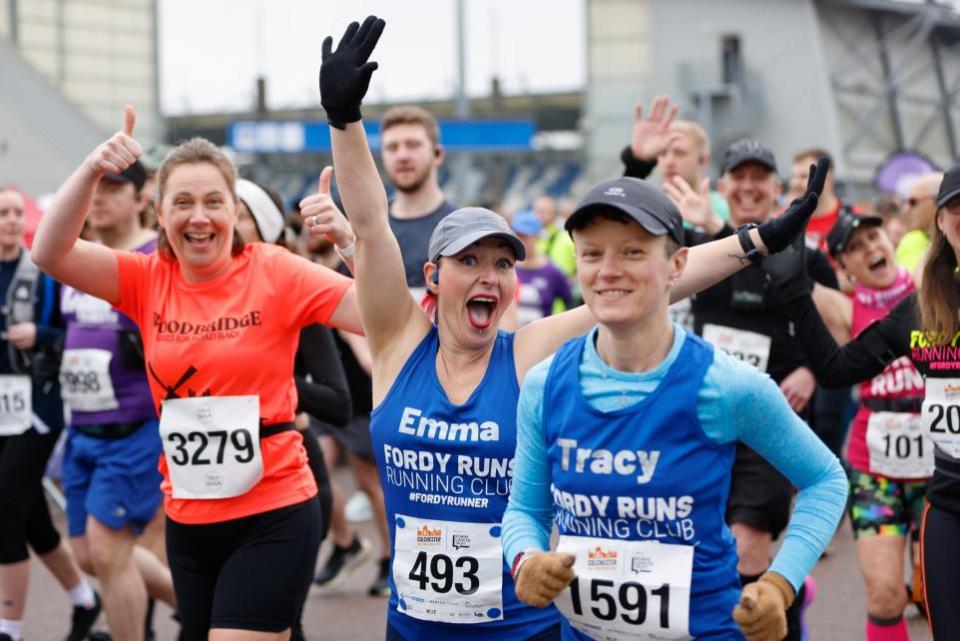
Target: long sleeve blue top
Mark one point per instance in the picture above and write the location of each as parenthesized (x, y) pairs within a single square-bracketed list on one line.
[(735, 402)]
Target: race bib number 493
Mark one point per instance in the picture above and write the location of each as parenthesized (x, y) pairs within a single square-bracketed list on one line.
[(448, 571), (628, 590)]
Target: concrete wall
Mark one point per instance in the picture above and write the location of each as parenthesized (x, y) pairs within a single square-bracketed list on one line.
[(102, 54)]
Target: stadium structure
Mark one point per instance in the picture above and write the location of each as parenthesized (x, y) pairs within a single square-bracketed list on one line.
[(861, 78)]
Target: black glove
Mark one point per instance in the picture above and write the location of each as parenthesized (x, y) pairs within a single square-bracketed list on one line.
[(788, 271), (345, 73), (779, 232)]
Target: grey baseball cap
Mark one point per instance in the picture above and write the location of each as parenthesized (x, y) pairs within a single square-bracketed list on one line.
[(636, 198), (466, 226), (748, 150)]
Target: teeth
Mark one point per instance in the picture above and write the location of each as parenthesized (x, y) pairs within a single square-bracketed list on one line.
[(613, 292), (482, 299)]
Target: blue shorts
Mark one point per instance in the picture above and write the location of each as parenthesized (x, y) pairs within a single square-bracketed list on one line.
[(113, 480)]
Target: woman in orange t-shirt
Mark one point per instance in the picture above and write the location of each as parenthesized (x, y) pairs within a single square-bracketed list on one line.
[(220, 321)]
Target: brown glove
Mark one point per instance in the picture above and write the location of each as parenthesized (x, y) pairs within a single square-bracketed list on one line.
[(762, 611), (542, 576)]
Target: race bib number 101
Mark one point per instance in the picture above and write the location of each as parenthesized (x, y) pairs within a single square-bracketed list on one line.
[(628, 590)]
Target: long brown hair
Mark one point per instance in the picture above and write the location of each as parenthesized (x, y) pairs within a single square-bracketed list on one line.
[(939, 301), (194, 151)]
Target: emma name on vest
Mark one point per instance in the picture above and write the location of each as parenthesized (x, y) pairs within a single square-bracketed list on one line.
[(623, 462), (413, 422)]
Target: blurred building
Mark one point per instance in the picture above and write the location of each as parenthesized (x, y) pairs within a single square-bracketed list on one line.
[(69, 67), (862, 78), (517, 147)]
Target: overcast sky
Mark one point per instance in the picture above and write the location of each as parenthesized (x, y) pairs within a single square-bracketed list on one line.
[(211, 51)]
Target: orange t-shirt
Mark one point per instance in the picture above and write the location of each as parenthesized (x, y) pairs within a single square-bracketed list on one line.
[(234, 335)]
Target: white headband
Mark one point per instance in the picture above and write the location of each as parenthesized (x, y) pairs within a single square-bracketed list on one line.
[(269, 219)]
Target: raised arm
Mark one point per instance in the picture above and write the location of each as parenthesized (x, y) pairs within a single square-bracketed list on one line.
[(57, 248), (392, 321)]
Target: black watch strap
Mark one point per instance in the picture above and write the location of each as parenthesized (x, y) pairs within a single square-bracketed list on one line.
[(750, 250)]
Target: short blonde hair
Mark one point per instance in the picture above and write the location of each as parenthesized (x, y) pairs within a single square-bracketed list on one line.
[(195, 151), (693, 131)]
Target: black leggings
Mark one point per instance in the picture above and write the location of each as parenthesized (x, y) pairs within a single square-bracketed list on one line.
[(940, 562), (23, 508), (250, 573)]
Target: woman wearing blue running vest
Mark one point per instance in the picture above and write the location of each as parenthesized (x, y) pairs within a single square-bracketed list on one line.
[(626, 440), (445, 394)]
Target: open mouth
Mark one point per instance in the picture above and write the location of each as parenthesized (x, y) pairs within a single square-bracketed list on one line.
[(612, 293), (198, 239), (878, 265), (480, 311)]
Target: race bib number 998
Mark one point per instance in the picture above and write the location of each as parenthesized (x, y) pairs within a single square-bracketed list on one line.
[(448, 571), (628, 590)]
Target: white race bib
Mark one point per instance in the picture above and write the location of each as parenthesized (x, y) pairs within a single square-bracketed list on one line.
[(941, 413), (628, 590), (749, 347), (448, 571), (899, 446), (212, 445), (85, 382), (16, 402)]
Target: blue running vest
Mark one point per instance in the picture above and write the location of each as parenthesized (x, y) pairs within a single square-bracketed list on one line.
[(446, 472), (647, 472)]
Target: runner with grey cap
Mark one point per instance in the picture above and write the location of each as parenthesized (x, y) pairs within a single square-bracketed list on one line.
[(445, 385)]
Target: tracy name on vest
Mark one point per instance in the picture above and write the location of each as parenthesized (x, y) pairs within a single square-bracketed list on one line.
[(623, 462), (414, 423)]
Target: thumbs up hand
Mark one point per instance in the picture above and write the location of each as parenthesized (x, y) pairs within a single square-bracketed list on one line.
[(322, 217), (119, 151)]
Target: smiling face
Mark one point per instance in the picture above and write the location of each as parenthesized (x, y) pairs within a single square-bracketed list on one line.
[(474, 289), (624, 271), (751, 189), (868, 257), (11, 221), (198, 214)]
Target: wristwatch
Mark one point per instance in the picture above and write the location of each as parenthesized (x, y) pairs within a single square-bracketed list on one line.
[(750, 251)]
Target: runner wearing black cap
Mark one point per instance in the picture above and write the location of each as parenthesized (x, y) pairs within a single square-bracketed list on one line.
[(924, 327), (742, 316), (627, 437), (31, 421), (444, 394), (890, 458)]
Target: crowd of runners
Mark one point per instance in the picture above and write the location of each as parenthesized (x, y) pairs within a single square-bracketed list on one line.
[(585, 420)]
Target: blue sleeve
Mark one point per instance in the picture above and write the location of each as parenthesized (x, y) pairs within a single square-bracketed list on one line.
[(528, 518), (739, 403), (47, 317)]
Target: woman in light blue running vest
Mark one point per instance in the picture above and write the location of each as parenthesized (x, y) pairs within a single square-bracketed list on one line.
[(626, 440), (445, 388)]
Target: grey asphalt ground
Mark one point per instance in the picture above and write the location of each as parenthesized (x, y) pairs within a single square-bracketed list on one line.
[(348, 614)]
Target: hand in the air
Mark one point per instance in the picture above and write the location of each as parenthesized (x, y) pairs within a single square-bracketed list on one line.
[(345, 73), (119, 151), (652, 136)]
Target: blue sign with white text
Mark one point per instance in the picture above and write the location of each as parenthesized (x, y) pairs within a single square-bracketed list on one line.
[(299, 136)]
